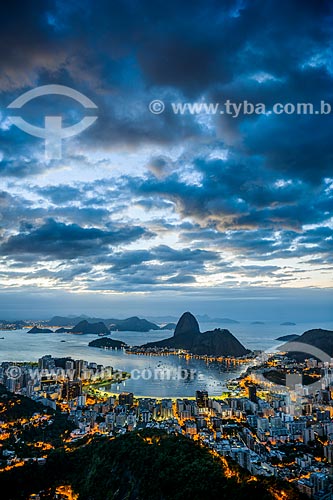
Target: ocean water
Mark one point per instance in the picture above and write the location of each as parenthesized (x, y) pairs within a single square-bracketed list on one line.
[(18, 345)]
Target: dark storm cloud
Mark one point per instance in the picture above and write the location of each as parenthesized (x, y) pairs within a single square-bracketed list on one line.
[(16, 210), (174, 46), (20, 168), (241, 196), (296, 146), (139, 270), (61, 194), (317, 236), (62, 275), (261, 244), (138, 49), (216, 44), (148, 276), (67, 241), (161, 253), (29, 44)]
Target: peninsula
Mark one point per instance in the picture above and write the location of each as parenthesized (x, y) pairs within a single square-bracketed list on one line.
[(187, 336)]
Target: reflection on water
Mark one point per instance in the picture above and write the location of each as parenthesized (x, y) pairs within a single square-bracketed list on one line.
[(20, 346), (196, 375)]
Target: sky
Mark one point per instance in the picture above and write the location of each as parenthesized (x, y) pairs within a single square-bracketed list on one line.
[(156, 213)]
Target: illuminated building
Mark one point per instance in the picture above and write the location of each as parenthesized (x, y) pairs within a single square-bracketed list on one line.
[(202, 399), (72, 389), (126, 398)]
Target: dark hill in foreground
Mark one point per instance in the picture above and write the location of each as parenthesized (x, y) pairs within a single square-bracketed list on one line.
[(187, 336), (142, 465)]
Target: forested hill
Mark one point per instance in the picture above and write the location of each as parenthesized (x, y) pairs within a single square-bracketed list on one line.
[(142, 465)]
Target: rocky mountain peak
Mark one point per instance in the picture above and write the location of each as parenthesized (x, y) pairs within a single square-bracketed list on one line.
[(187, 324)]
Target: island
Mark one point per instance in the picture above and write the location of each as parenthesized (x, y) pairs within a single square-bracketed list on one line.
[(84, 327), (288, 338), (288, 323), (225, 321), (36, 329), (169, 326), (107, 343), (132, 324)]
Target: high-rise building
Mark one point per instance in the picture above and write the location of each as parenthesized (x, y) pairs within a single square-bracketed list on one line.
[(46, 363), (190, 428), (252, 393), (145, 415), (81, 400), (131, 422), (126, 398), (308, 435), (166, 409), (71, 389), (202, 399), (78, 367), (69, 364)]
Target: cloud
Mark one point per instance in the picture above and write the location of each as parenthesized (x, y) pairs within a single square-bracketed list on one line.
[(240, 196), (143, 202), (163, 254), (67, 241), (160, 166)]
